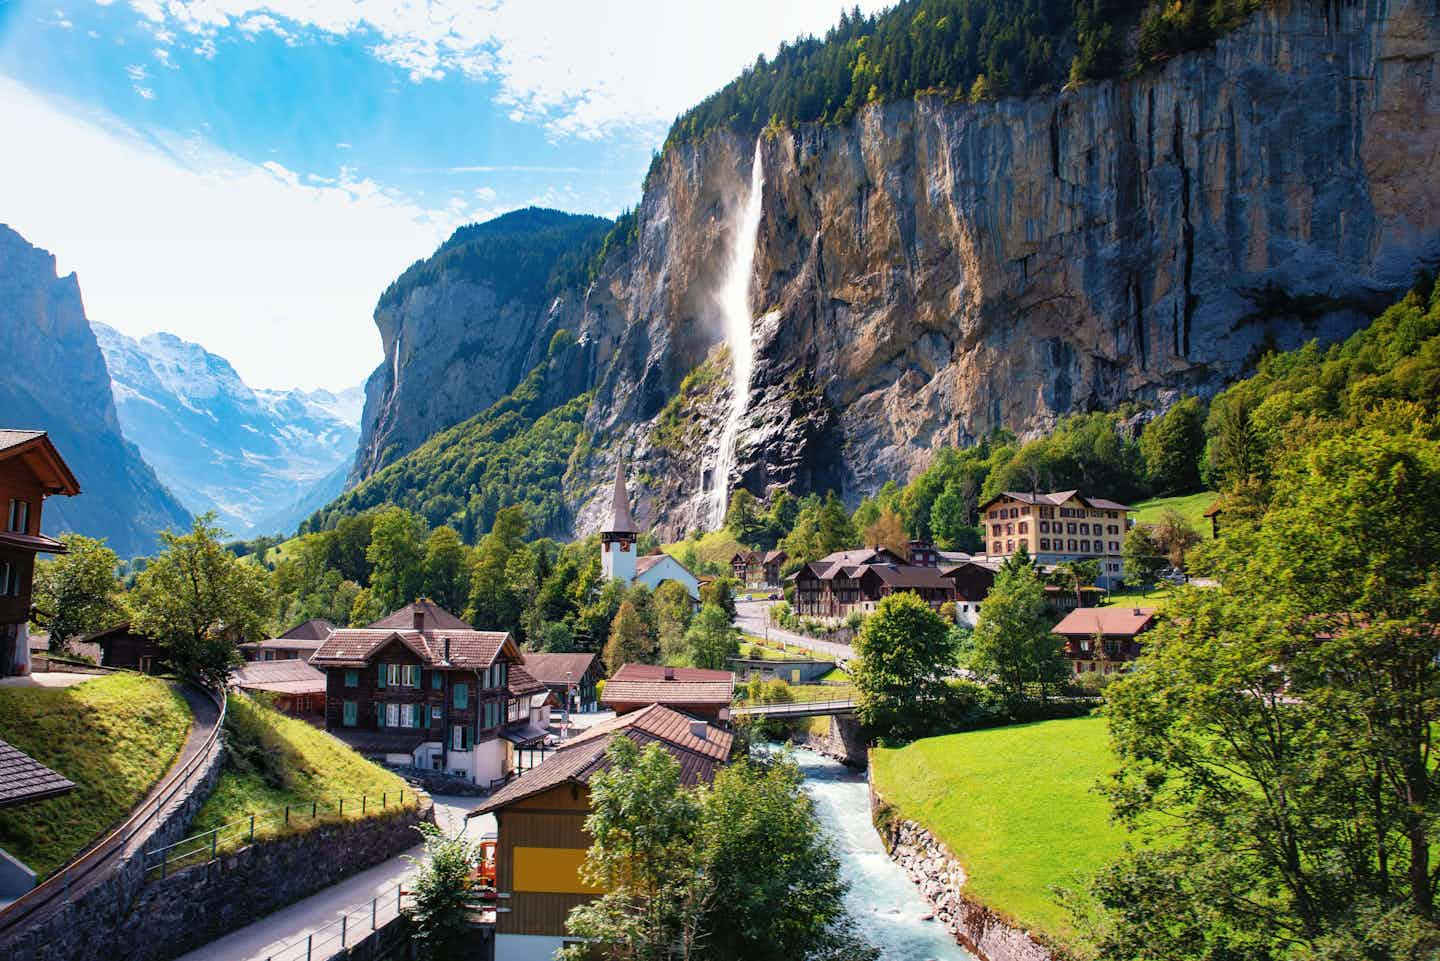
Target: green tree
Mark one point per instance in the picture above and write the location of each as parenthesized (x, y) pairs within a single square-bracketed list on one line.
[(643, 856), (1172, 445), (903, 655), (711, 639), (447, 576), (198, 601), (888, 530), (743, 518), (397, 558), (721, 593), (1175, 536), (440, 889), (672, 609), (1012, 641), (77, 592), (1143, 554), (592, 623), (1235, 453), (629, 639), (493, 606)]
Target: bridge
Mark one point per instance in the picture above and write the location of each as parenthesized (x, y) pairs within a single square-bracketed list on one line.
[(797, 709)]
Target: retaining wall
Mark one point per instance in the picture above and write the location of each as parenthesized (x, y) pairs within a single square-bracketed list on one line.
[(844, 741), (941, 880)]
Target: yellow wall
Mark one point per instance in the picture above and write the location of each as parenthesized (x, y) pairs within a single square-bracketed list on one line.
[(550, 870)]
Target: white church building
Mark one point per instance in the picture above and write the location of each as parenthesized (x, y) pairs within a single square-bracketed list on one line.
[(618, 548)]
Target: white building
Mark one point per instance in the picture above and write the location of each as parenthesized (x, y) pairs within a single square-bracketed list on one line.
[(618, 551)]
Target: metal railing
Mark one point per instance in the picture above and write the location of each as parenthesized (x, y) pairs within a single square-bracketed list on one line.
[(206, 846), (795, 708), (59, 885), (353, 926)]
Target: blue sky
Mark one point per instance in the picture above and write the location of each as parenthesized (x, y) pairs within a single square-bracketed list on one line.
[(251, 175)]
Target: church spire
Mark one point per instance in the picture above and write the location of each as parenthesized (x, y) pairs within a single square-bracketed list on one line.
[(621, 521)]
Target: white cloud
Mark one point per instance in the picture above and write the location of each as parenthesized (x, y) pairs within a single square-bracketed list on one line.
[(583, 68), (275, 272)]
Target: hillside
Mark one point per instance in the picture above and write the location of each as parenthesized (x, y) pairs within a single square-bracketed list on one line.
[(929, 269), (220, 445), (113, 736), (55, 379)]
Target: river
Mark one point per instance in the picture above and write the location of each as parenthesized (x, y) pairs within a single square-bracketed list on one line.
[(886, 905)]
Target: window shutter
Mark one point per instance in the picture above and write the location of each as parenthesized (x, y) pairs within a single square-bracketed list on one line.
[(380, 676), (379, 715)]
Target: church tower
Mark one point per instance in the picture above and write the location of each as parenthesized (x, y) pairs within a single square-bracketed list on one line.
[(617, 538)]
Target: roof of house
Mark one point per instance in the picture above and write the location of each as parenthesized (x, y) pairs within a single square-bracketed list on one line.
[(907, 575), (581, 758), (520, 681), (643, 564), (105, 633), (283, 644), (468, 650), (1055, 499), (36, 447), (32, 542), (380, 742), (22, 778), (553, 668), (775, 556), (280, 677), (620, 521), (1214, 510), (315, 629), (435, 617), (1108, 621), (654, 684)]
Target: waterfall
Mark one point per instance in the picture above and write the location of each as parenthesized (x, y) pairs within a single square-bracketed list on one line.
[(734, 298)]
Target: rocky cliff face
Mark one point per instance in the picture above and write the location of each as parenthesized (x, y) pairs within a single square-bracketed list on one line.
[(934, 270), (220, 445), (55, 379)]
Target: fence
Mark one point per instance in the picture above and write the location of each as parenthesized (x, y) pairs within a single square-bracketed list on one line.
[(59, 885), (796, 708), (352, 927), (208, 845)]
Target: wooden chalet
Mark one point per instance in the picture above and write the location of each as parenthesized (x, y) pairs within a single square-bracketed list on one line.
[(124, 648), (422, 688), (758, 569), (572, 676), (31, 469), (291, 685), (858, 580), (301, 641), (693, 690), (540, 821), (1103, 639)]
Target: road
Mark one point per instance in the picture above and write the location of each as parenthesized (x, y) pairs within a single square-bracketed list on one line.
[(751, 618), (264, 938)]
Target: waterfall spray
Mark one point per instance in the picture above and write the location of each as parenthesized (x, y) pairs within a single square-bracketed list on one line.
[(734, 297)]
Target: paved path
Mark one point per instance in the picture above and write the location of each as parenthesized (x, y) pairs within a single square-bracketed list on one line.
[(266, 937), (751, 618), (797, 709)]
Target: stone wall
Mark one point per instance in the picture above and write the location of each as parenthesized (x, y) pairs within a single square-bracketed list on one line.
[(844, 741), (438, 782), (82, 927), (941, 880)]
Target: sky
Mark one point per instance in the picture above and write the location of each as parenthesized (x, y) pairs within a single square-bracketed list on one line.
[(251, 176)]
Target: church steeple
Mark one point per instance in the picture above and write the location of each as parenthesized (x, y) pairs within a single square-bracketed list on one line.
[(617, 538)]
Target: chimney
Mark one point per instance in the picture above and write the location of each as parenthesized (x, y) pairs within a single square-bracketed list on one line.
[(418, 618), (669, 673), (1137, 612), (700, 729)]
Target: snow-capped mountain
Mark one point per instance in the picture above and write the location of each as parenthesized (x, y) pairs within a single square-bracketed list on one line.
[(255, 457)]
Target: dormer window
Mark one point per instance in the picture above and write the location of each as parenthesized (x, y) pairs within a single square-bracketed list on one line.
[(19, 516)]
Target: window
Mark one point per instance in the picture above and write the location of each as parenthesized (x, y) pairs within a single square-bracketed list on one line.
[(1009, 546), (1085, 546), (1070, 528), (392, 715), (350, 712), (1009, 530), (437, 680), (461, 695), (995, 547), (1044, 543), (1084, 528), (1024, 527), (436, 713), (9, 579), (1114, 546), (1072, 544), (19, 516), (1113, 529), (352, 678), (460, 737), (402, 675)]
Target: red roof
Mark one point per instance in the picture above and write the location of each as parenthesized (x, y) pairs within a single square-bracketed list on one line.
[(1086, 622), (280, 677), (467, 650), (436, 617), (40, 455), (657, 684), (552, 668)]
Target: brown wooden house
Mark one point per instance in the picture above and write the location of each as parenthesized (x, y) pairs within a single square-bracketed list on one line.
[(758, 569), (31, 469), (847, 581), (291, 685), (541, 822), (300, 642), (1103, 639), (569, 675), (693, 690), (121, 647), (422, 688)]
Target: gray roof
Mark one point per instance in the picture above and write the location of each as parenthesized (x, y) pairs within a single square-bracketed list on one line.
[(621, 521), (22, 778), (10, 437)]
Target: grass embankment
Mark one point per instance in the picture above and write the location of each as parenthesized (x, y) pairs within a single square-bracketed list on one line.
[(1015, 805), (273, 761), (1192, 507), (114, 737), (715, 548), (797, 693)]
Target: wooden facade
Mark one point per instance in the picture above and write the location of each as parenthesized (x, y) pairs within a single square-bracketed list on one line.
[(545, 836), (121, 647), (847, 581)]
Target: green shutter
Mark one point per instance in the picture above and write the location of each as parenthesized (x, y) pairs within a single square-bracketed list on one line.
[(350, 712), (437, 680), (380, 676), (379, 715), (462, 695), (352, 677)]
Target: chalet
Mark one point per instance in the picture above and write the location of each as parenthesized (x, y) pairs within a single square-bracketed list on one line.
[(1058, 526), (972, 580), (422, 688), (292, 685), (540, 820), (1213, 512), (23, 780), (758, 570), (569, 676), (618, 549), (121, 647), (693, 690), (1103, 639), (300, 641), (858, 580), (31, 469)]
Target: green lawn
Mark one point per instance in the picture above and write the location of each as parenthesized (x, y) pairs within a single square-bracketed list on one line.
[(809, 692), (1156, 597), (716, 547), (1015, 805), (274, 761), (1190, 506), (114, 737)]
